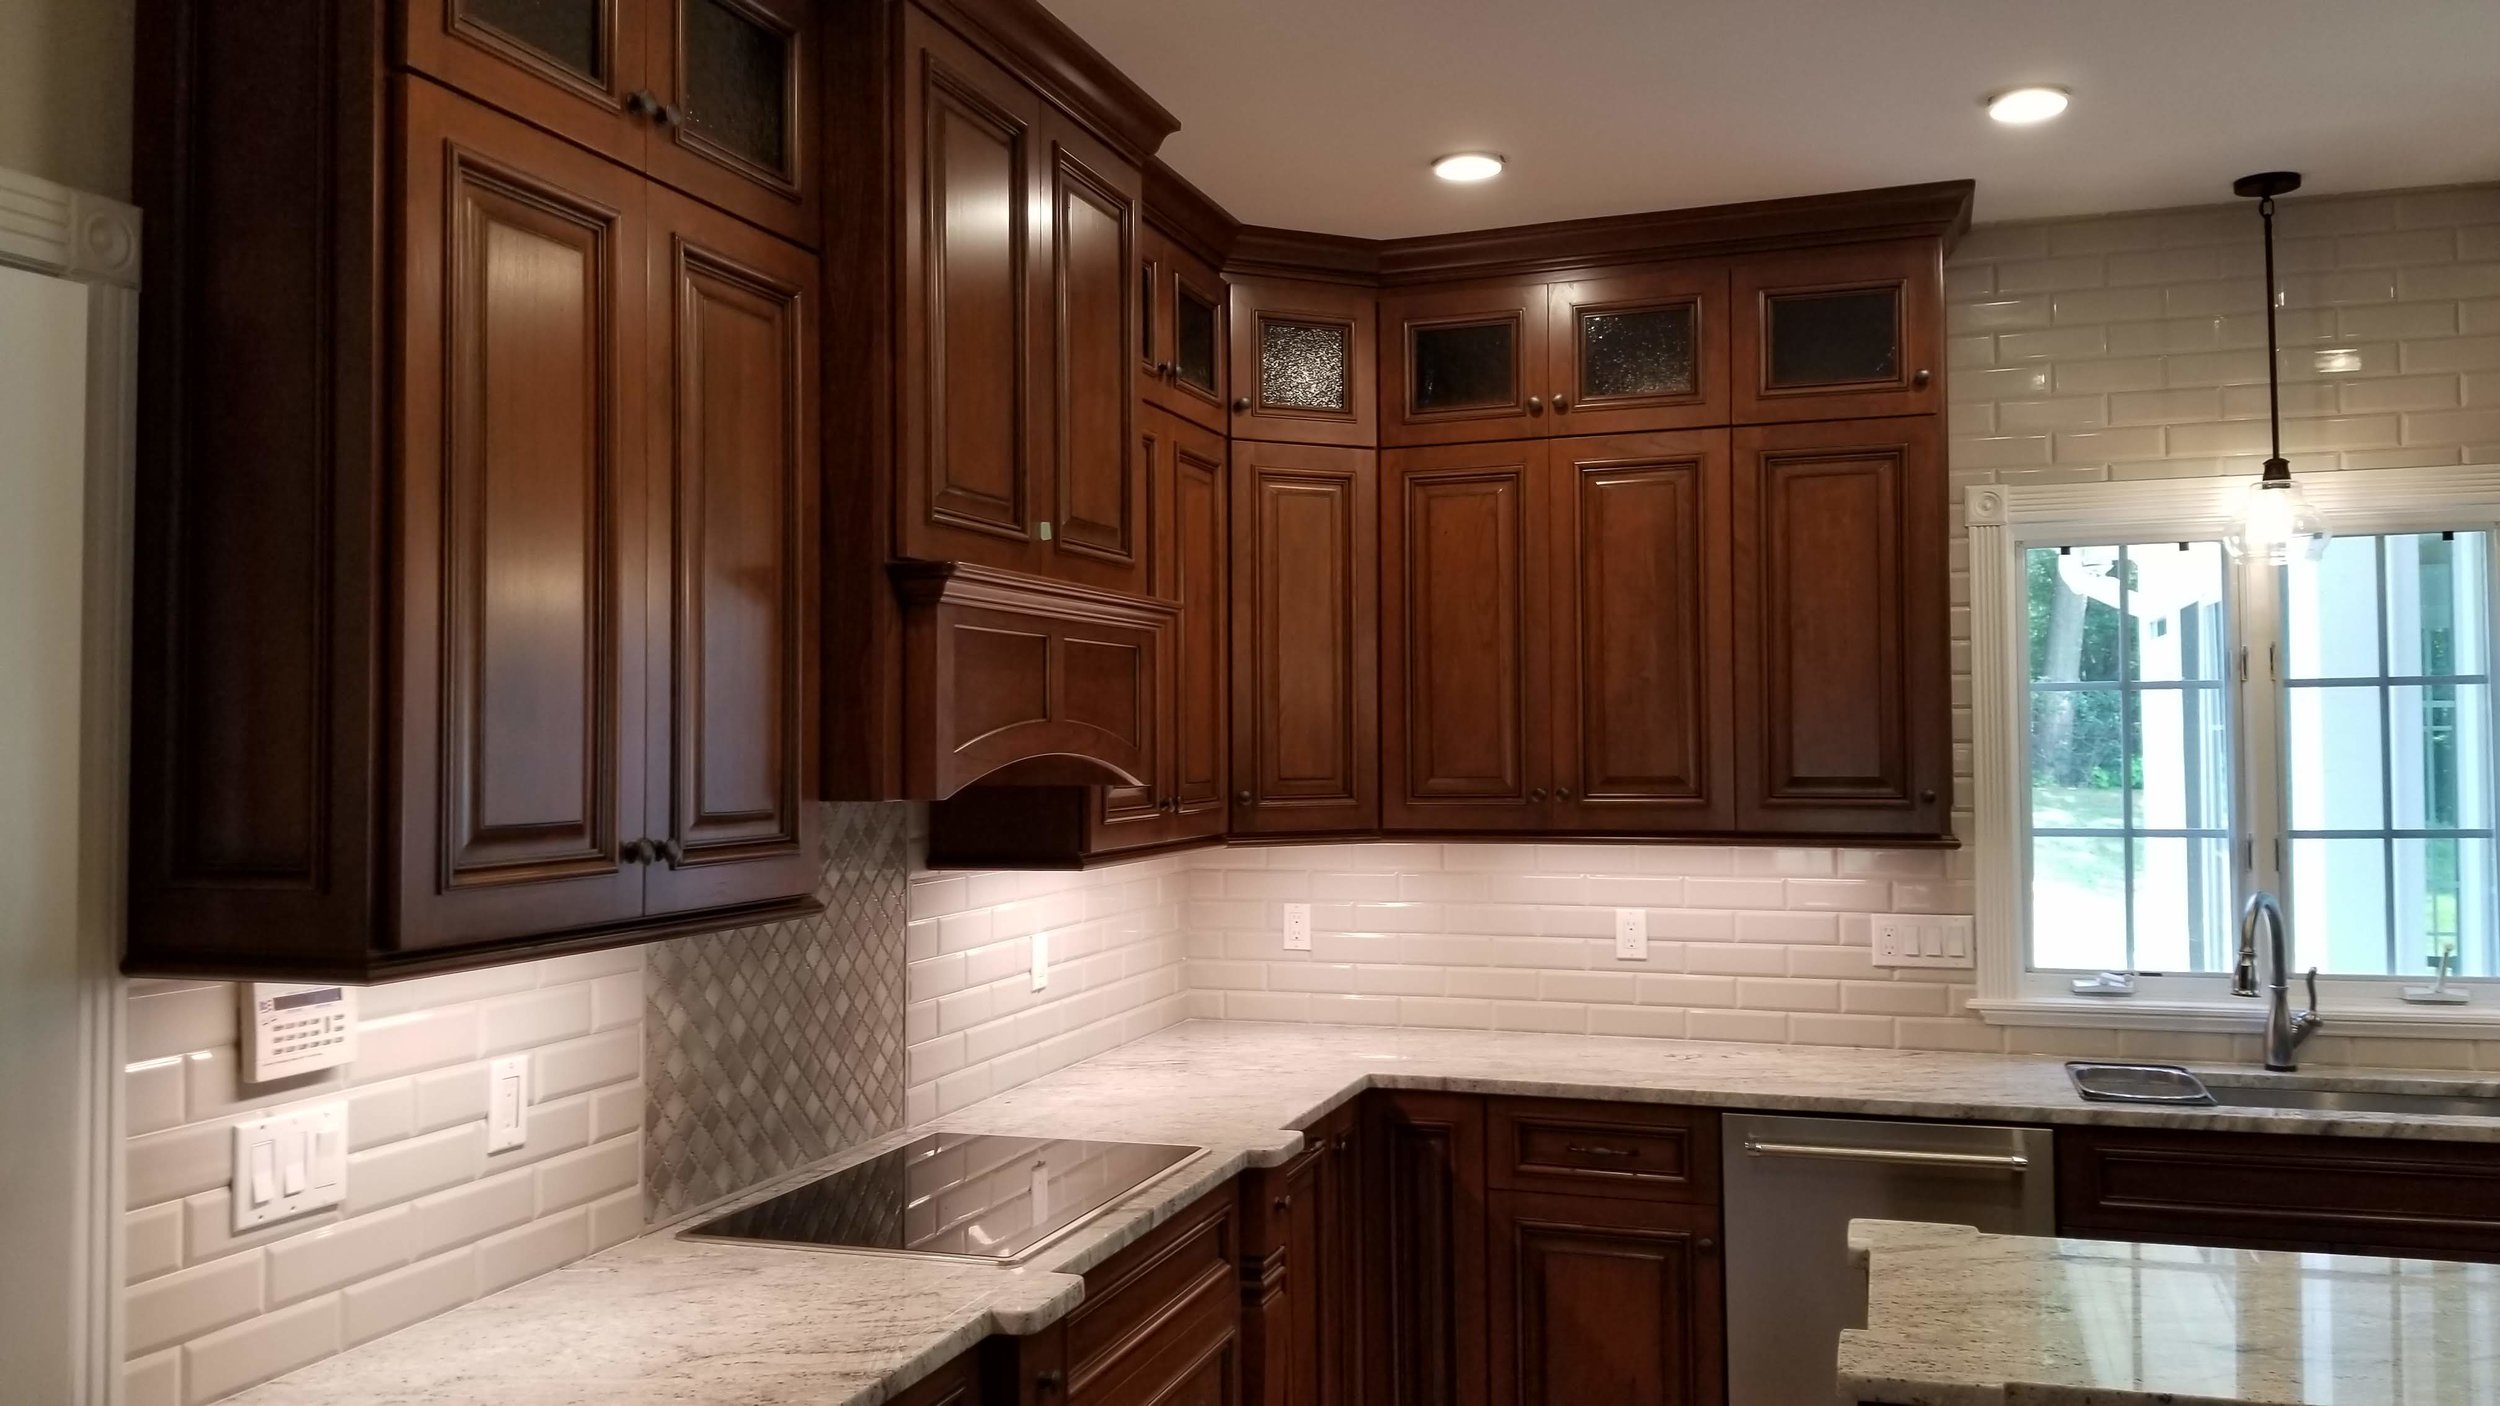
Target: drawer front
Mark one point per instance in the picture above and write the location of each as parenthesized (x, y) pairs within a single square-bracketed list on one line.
[(2355, 1195), (1167, 1284), (1605, 1149)]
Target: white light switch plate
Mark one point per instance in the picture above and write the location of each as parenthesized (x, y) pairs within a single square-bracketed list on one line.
[(1297, 927), (289, 1163), (508, 1103), (1924, 940), (1631, 934)]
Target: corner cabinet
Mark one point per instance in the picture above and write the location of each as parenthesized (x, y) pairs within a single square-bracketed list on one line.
[(486, 629)]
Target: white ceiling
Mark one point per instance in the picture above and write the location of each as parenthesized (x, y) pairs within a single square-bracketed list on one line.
[(1322, 114)]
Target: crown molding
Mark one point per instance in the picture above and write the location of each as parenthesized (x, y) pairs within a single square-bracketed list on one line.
[(1184, 212), (1938, 210), (1041, 47)]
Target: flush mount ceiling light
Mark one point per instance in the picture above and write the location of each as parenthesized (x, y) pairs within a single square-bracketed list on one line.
[(1468, 166), (2020, 107), (2276, 521)]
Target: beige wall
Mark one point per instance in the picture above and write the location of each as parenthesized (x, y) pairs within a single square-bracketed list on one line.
[(65, 92)]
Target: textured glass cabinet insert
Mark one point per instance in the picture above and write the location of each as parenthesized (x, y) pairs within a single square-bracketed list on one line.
[(1305, 365), (568, 33), (737, 82), (1463, 365), (1840, 337), (1193, 339), (1637, 353)]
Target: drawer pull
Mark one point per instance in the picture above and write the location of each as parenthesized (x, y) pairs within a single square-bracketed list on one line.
[(1896, 1156), (1592, 1150)]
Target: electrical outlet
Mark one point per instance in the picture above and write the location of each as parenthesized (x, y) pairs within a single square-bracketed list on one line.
[(1041, 960), (1631, 934), (508, 1103), (1297, 927), (1923, 940)]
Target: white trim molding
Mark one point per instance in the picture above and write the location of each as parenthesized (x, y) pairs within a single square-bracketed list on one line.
[(2003, 522), (52, 229)]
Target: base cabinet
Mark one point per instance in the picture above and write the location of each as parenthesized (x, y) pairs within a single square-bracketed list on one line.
[(1424, 1311), (1594, 1299)]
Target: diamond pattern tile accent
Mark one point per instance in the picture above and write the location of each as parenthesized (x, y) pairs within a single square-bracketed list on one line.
[(767, 1048)]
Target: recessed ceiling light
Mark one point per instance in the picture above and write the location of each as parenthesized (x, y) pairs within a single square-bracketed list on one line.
[(2023, 106), (1468, 166)]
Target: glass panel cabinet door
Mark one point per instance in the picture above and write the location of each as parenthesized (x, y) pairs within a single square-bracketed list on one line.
[(733, 93), (1640, 351), (573, 66), (1181, 368), (1464, 364), (1302, 362), (1851, 330)]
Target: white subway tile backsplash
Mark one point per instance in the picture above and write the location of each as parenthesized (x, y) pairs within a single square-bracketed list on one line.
[(174, 1307), (223, 1363)]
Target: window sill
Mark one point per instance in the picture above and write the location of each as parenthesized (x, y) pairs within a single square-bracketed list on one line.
[(2392, 1019)]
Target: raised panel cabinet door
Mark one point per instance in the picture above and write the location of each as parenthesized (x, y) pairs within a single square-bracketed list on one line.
[(1094, 486), (1463, 640), (1639, 351), (1841, 673), (1287, 1296), (1644, 720), (1304, 360), (1826, 334), (1425, 1291), (1342, 1225), (1602, 1300), (735, 99), (1305, 639), (975, 307), (1198, 528), (1464, 364), (521, 510), (575, 67), (734, 462)]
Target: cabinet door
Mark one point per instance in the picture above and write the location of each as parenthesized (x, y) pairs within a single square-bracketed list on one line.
[(1644, 713), (1183, 359), (1287, 1294), (1639, 351), (1602, 1300), (735, 83), (1093, 488), (1463, 665), (522, 547), (1425, 1295), (1305, 725), (1304, 362), (1841, 675), (973, 304), (1823, 334), (576, 67), (1197, 529), (1464, 364), (1342, 1225), (733, 467)]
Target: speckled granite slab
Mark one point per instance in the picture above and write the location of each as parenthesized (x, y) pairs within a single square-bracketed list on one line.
[(664, 1320), (1957, 1318)]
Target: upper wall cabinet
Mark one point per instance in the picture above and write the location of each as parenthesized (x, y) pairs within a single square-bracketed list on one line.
[(1613, 352), (1185, 350), (1020, 238), (485, 629), (715, 97), (1827, 334), (1304, 361)]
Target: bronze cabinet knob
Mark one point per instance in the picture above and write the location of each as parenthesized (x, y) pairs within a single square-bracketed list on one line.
[(672, 116), (1562, 793), (1284, 1203), (1241, 405), (1928, 795), (1536, 793), (641, 103), (1920, 378), (640, 852), (1241, 798), (1535, 404), (1561, 404)]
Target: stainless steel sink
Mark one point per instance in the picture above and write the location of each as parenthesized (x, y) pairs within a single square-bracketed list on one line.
[(2352, 1100)]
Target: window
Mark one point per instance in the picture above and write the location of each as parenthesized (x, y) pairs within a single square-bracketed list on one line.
[(2162, 731)]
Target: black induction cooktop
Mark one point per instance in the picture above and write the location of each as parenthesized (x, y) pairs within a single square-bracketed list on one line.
[(974, 1196)]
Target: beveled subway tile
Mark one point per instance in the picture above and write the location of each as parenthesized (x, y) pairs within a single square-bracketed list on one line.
[(392, 1301), (154, 1380), (1863, 1031), (467, 1214), (1432, 1012), (419, 1040), (179, 1018), (152, 1241), (223, 1363), (1656, 1022), (359, 1248), (532, 1250), (186, 1303), (402, 1171), (177, 1162)]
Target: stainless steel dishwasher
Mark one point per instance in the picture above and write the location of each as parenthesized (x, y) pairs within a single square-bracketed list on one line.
[(1792, 1185)]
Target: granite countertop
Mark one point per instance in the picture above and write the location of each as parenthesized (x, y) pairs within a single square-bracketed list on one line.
[(1958, 1318), (661, 1319)]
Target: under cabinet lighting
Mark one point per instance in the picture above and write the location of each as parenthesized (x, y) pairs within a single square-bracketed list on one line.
[(1468, 166), (2021, 107)]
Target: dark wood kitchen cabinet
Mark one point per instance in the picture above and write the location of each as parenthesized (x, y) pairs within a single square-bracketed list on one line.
[(481, 630), (1160, 1324), (1837, 333), (1305, 639), (1425, 1294), (1301, 1271), (1595, 1299), (1184, 350), (1841, 674), (1464, 363), (1464, 664), (1304, 362), (715, 97)]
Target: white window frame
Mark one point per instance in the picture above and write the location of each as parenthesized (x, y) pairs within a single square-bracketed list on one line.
[(2006, 521)]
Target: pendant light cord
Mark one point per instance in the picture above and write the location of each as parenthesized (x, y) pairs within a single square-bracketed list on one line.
[(2274, 358)]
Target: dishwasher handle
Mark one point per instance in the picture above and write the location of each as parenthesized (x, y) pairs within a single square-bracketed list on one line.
[(1893, 1156)]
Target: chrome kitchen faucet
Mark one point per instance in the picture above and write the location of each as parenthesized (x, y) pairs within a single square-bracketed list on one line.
[(2285, 1028)]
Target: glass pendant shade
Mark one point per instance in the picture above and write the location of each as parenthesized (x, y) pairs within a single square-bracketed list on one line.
[(2277, 524)]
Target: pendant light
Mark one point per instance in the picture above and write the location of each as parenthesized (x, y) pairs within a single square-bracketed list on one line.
[(2276, 522)]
